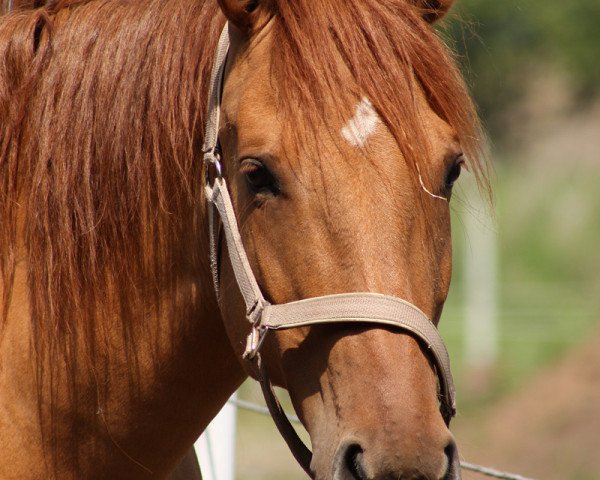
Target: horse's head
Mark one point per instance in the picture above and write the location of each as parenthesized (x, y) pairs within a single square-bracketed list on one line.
[(343, 130)]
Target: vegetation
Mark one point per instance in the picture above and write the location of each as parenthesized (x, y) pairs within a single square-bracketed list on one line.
[(504, 45), (548, 228)]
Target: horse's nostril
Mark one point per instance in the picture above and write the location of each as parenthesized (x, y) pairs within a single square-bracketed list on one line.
[(453, 470), (351, 463), (353, 459)]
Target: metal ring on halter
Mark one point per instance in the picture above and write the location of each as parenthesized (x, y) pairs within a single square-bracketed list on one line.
[(254, 342), (213, 158), (218, 168)]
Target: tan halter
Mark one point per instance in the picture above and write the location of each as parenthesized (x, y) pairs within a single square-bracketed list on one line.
[(343, 308)]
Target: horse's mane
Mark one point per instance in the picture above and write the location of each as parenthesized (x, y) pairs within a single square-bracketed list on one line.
[(101, 112), (101, 108)]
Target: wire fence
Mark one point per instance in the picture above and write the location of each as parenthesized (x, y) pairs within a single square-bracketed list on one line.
[(487, 471)]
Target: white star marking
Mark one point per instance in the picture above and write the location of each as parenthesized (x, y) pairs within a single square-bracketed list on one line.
[(362, 125)]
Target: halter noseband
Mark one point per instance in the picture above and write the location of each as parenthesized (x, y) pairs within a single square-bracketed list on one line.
[(341, 308)]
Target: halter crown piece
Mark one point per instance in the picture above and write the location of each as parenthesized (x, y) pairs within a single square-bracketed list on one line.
[(342, 308)]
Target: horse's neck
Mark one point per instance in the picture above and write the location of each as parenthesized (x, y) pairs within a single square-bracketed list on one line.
[(141, 405)]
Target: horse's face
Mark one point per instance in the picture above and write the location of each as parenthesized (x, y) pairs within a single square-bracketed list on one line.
[(345, 218)]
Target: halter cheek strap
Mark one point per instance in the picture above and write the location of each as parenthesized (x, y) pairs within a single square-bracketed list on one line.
[(364, 308)]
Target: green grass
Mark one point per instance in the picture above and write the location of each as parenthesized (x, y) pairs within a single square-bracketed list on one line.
[(548, 283)]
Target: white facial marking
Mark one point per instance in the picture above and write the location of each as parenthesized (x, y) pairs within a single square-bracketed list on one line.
[(360, 127)]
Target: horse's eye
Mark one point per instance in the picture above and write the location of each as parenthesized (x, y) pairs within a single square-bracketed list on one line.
[(454, 172), (258, 177)]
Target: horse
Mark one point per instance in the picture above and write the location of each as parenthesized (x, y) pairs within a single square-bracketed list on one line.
[(343, 128)]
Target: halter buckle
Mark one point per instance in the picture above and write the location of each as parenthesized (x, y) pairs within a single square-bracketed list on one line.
[(257, 334)]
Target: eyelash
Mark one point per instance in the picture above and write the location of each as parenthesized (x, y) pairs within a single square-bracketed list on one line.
[(259, 178), (454, 171)]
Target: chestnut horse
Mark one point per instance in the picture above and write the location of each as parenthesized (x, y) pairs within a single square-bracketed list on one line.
[(344, 125)]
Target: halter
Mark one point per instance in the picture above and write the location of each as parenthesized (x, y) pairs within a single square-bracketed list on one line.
[(365, 308)]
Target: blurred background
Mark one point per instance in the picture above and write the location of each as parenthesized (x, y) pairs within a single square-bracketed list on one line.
[(522, 321)]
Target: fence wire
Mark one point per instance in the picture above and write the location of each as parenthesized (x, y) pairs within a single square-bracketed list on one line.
[(491, 472), (487, 471)]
